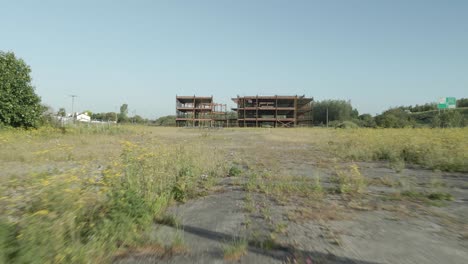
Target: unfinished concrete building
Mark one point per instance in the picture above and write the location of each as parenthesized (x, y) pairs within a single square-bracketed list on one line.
[(273, 111), (200, 111)]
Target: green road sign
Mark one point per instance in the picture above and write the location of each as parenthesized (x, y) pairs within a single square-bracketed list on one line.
[(451, 102), (441, 106), (447, 102)]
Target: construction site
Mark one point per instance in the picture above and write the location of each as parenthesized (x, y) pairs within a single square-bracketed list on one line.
[(273, 111), (200, 111), (251, 111)]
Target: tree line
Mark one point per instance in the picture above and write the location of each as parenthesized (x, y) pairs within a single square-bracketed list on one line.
[(342, 114)]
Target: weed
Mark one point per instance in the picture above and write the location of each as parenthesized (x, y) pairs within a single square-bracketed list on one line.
[(75, 216), (235, 249), (386, 181), (179, 191), (432, 148), (234, 171), (398, 165), (268, 243), (350, 181), (249, 204), (178, 244), (281, 228), (433, 198), (440, 196), (266, 212), (251, 184), (437, 182)]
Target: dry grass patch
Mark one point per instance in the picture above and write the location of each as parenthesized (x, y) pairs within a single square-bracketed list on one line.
[(349, 181), (234, 250)]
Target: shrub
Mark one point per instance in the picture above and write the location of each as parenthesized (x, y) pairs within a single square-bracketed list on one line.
[(346, 124), (234, 171)]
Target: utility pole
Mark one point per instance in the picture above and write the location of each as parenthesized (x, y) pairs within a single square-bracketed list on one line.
[(73, 96), (327, 116)]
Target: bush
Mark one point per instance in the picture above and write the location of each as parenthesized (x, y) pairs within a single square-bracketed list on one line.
[(344, 124), (234, 171)]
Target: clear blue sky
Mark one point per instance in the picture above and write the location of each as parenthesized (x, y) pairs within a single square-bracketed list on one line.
[(375, 53)]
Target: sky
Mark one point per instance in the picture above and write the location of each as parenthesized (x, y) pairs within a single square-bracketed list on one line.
[(376, 53)]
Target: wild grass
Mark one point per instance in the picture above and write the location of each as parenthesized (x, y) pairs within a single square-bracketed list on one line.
[(79, 194), (349, 181), (432, 198), (284, 187), (281, 228), (441, 149), (178, 245), (80, 213), (234, 171), (249, 203), (235, 249)]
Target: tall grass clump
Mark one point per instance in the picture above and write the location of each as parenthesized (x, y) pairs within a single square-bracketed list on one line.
[(71, 217), (235, 249), (349, 181)]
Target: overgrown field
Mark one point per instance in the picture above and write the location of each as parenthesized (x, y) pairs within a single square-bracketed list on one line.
[(101, 191), (438, 149), (81, 194)]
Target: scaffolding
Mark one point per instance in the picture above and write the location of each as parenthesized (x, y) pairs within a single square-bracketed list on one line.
[(273, 111), (200, 111)]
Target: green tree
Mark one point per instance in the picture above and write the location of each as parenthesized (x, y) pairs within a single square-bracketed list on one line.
[(47, 117), (338, 110), (123, 116), (19, 104), (462, 102), (231, 114), (395, 118), (88, 112), (61, 112), (138, 119), (366, 120), (449, 118), (169, 120), (110, 116)]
